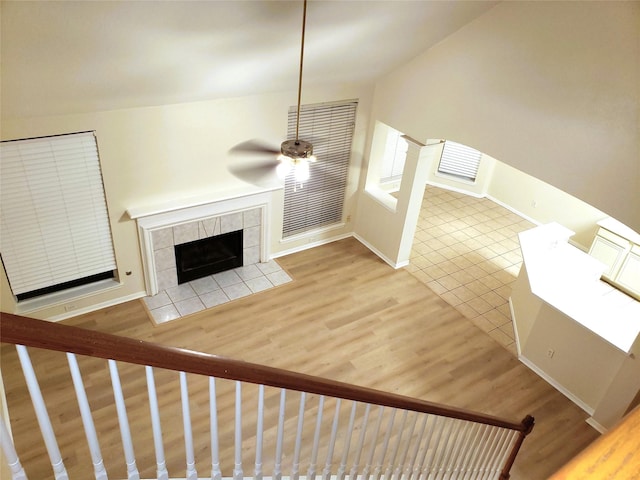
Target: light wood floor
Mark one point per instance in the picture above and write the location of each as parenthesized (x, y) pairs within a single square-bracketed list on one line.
[(346, 316)]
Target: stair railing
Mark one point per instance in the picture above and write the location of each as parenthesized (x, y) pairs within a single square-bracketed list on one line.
[(371, 434)]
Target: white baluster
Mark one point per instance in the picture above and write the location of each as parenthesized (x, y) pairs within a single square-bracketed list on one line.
[(504, 453), (295, 471), (405, 451), (277, 469), (412, 462), (237, 468), (494, 457), (258, 467), (326, 473), (161, 466), (436, 434), (40, 408), (216, 473), (374, 444), (311, 475), (353, 473), (442, 449), (125, 433), (17, 472), (347, 444), (450, 447), (479, 469), (394, 454), (471, 460), (188, 435), (385, 445), (87, 420), (468, 429), (418, 470)]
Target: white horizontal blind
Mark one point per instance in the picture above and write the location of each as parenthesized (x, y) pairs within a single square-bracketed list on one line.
[(55, 227), (459, 160), (319, 201)]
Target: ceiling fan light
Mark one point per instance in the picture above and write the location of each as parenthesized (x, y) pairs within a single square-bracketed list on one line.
[(301, 170), (284, 168)]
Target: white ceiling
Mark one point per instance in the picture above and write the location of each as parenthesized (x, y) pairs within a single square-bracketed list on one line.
[(80, 56)]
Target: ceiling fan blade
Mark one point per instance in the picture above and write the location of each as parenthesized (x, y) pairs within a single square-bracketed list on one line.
[(259, 173), (253, 147)]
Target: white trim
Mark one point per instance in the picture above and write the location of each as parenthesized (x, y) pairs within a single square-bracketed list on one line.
[(190, 202), (556, 385), (97, 306), (515, 330)]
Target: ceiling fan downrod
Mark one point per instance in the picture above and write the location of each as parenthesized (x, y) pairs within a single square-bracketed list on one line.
[(299, 149)]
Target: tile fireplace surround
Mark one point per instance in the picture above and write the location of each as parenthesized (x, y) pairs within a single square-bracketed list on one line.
[(161, 230)]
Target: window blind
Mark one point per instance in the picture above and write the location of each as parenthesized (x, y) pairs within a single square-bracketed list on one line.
[(459, 160), (55, 226), (319, 201)]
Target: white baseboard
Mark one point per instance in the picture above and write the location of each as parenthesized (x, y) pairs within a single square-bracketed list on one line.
[(597, 426), (387, 260), (306, 246), (556, 385)]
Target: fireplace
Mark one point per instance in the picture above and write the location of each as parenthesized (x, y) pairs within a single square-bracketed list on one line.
[(162, 228), (207, 256)]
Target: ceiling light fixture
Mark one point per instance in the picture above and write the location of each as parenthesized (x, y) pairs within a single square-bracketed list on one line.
[(296, 154)]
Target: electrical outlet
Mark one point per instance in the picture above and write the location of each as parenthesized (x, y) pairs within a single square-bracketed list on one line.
[(550, 353), (534, 203), (348, 218)]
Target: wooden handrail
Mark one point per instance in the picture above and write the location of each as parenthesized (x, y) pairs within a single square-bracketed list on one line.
[(30, 332)]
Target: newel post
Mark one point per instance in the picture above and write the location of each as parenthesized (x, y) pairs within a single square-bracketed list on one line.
[(527, 426)]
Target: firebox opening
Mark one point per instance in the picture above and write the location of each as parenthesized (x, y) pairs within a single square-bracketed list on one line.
[(208, 256)]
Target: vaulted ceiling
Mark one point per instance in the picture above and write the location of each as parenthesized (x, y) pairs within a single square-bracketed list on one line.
[(62, 57)]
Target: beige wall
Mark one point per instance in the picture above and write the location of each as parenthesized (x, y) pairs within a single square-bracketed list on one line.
[(544, 203), (550, 88), (159, 154)]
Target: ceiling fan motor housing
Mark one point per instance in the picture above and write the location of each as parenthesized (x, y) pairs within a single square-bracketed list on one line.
[(296, 149)]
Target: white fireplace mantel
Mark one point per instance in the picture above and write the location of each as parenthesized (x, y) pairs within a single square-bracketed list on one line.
[(185, 212)]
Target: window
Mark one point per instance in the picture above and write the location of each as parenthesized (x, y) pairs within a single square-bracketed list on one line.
[(319, 201), (394, 156), (460, 161), (55, 228)]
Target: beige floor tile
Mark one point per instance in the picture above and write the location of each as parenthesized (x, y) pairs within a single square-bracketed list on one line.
[(501, 337), (467, 251)]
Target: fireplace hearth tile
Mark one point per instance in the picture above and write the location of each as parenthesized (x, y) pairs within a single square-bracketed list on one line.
[(258, 284), (269, 267), (190, 305), (181, 292), (237, 290), (247, 272), (279, 278), (204, 285), (214, 290), (157, 301), (213, 299), (227, 278), (164, 314)]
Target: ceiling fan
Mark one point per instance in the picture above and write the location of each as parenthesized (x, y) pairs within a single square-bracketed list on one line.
[(293, 156)]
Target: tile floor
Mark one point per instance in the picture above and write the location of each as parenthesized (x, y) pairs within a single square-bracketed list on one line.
[(466, 250), (207, 292)]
